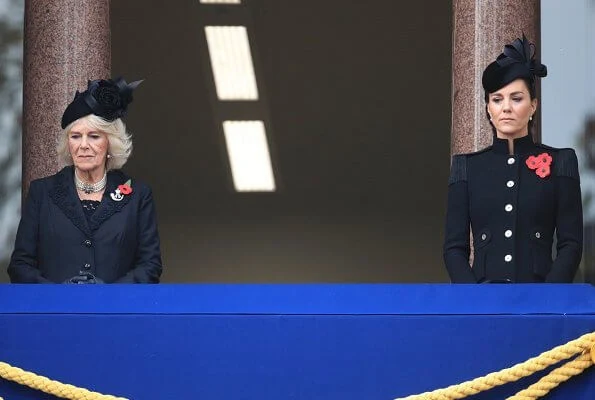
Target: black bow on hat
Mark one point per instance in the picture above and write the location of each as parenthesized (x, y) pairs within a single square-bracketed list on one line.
[(517, 61)]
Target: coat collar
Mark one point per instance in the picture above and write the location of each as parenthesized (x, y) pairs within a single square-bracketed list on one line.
[(108, 206), (522, 146), (64, 195)]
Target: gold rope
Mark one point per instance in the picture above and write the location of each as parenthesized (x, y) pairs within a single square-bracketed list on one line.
[(49, 386), (583, 347)]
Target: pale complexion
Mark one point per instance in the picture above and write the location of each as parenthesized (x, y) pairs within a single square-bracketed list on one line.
[(510, 109), (88, 148)]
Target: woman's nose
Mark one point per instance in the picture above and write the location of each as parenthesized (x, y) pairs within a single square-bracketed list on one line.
[(506, 105)]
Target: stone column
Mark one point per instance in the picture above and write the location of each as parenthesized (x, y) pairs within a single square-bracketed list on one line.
[(66, 42), (481, 28)]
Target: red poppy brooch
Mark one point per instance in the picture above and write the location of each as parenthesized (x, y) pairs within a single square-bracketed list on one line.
[(122, 190), (541, 164)]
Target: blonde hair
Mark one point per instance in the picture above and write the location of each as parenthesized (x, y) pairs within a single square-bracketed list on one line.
[(120, 141)]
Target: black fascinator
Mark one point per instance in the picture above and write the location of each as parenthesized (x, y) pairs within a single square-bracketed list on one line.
[(517, 61), (105, 98)]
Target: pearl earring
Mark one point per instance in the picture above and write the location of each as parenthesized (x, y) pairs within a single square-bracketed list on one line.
[(531, 118), (109, 156)]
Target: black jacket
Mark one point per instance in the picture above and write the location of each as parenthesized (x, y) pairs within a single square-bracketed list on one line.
[(54, 242), (513, 214)]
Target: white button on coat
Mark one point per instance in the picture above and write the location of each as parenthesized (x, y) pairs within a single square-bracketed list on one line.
[(510, 161), (508, 233), (508, 258), (510, 184), (508, 207)]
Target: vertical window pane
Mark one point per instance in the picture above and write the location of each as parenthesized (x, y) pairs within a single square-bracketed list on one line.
[(249, 156), (229, 50)]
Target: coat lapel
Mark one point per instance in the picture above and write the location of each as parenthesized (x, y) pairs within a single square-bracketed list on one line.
[(64, 195), (108, 206)]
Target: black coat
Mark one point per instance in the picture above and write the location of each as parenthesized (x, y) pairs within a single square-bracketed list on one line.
[(54, 242), (513, 215)]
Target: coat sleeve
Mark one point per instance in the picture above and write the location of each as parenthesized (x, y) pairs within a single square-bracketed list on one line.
[(569, 219), (148, 265), (456, 240), (23, 266)]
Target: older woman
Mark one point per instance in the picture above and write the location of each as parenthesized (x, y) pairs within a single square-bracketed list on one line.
[(516, 194), (90, 222)]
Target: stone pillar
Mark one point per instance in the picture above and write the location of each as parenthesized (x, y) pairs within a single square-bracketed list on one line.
[(481, 28), (66, 42)]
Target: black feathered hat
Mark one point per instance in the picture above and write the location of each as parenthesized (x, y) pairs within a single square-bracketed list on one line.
[(105, 98), (517, 61)]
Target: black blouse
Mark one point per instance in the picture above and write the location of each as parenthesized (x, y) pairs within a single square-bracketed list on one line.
[(89, 207)]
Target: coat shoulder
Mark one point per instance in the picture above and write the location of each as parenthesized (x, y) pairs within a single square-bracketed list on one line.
[(478, 153), (458, 168), (50, 181), (565, 161)]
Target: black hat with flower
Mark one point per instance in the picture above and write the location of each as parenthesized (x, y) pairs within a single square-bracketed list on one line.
[(517, 61), (106, 98)]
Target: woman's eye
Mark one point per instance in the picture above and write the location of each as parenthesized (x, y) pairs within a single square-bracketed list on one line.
[(517, 99), (74, 136)]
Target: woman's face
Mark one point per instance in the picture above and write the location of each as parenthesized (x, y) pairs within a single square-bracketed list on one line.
[(510, 109), (88, 147)]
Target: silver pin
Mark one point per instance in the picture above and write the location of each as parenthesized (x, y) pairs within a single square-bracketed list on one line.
[(117, 196)]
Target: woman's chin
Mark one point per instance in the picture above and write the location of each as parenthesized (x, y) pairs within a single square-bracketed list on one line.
[(511, 133), (86, 167)]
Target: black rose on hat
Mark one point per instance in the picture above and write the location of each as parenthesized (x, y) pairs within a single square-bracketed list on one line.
[(105, 98)]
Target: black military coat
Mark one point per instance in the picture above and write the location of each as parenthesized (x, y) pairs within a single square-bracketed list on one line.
[(55, 242), (513, 214)]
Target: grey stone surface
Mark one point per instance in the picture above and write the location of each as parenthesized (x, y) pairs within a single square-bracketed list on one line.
[(67, 42), (481, 28)]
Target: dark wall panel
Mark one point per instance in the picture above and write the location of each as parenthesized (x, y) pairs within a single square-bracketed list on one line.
[(359, 104)]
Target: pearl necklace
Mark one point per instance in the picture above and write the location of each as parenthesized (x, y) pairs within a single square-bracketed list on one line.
[(89, 188)]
